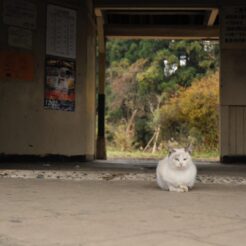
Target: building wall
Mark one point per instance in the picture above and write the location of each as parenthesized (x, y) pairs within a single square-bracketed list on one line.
[(26, 127), (232, 93)]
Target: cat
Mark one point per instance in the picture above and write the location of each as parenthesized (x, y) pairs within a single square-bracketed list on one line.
[(177, 171)]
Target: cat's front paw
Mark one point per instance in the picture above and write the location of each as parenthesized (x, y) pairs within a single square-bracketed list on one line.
[(184, 188), (176, 189)]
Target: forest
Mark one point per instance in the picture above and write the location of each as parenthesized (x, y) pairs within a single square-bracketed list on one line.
[(159, 91)]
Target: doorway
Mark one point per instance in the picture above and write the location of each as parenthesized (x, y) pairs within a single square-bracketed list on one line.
[(161, 92)]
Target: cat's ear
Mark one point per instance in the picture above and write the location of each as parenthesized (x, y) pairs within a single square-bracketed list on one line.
[(189, 148)]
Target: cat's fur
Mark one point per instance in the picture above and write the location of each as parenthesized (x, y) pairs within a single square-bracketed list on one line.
[(176, 172)]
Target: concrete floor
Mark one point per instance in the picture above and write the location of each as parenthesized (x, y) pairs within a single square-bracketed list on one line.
[(40, 212)]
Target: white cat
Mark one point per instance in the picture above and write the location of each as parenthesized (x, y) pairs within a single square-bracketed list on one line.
[(176, 172)]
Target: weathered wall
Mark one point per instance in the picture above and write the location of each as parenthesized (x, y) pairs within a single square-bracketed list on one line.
[(26, 128), (232, 92)]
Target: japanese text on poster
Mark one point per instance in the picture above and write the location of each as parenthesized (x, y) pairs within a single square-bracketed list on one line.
[(234, 26), (20, 13), (19, 37), (61, 32)]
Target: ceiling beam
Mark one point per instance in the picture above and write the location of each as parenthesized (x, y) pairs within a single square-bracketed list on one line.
[(112, 8), (161, 32), (155, 4), (212, 17), (169, 12)]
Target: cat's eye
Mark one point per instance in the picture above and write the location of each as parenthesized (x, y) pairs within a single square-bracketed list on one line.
[(185, 159)]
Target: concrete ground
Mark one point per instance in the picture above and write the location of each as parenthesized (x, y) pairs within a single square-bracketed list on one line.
[(37, 211)]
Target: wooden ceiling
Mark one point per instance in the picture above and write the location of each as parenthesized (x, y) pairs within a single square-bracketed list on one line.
[(176, 19)]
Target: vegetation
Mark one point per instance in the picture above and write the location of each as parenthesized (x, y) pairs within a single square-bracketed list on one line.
[(114, 153), (193, 113), (158, 90)]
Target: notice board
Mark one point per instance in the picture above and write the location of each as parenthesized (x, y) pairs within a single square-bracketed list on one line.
[(233, 27), (61, 32)]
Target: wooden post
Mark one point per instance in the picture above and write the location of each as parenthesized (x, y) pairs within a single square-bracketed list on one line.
[(101, 143)]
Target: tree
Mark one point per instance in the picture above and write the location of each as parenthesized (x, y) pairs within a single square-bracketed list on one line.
[(126, 103), (143, 75), (194, 112)]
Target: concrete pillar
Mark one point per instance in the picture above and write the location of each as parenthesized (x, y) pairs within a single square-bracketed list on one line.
[(28, 130)]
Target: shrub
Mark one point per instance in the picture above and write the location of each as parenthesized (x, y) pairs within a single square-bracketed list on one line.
[(123, 139), (194, 112)]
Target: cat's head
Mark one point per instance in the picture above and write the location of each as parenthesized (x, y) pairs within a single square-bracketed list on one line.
[(180, 158)]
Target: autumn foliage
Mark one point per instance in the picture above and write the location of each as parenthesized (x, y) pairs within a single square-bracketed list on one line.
[(157, 90), (193, 113)]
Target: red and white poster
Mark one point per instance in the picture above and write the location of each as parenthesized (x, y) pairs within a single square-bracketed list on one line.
[(60, 84)]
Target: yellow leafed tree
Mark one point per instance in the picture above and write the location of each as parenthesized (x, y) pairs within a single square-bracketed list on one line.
[(194, 112)]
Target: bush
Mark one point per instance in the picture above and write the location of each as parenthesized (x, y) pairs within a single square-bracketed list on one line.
[(194, 112), (122, 139)]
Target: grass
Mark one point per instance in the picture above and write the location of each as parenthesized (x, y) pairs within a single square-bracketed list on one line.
[(113, 153)]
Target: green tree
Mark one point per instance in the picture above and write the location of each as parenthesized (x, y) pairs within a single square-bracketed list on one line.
[(125, 101), (143, 75)]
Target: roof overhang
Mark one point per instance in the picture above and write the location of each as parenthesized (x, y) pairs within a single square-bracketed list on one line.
[(176, 19)]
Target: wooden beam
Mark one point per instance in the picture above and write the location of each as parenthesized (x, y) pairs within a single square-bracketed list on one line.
[(168, 12), (152, 8), (101, 142), (161, 32), (98, 12), (155, 4), (212, 16), (100, 33), (101, 72)]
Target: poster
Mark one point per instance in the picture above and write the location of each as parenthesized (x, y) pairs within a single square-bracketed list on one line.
[(19, 37), (20, 13), (60, 84), (16, 65), (61, 32), (234, 27)]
